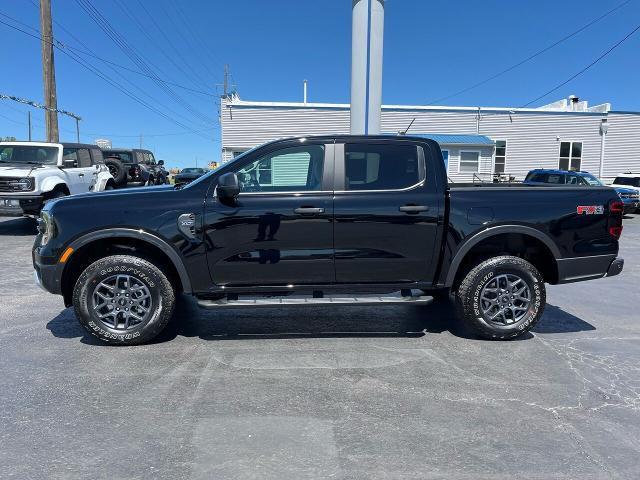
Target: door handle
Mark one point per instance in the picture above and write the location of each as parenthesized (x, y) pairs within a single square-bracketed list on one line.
[(308, 210), (413, 208), (81, 174)]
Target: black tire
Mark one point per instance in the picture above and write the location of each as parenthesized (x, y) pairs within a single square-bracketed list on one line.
[(478, 285), (117, 170), (54, 196), (161, 299), (151, 181)]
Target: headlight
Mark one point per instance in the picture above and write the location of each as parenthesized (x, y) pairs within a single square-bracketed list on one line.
[(22, 184), (46, 227)]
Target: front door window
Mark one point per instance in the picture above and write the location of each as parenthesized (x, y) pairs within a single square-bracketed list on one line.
[(295, 169)]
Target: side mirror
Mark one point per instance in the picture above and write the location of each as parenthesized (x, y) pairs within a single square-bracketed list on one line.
[(69, 164), (160, 162), (228, 186)]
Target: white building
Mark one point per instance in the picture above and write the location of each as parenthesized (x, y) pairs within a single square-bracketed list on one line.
[(479, 141)]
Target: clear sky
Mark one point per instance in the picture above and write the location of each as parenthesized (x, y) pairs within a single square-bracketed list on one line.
[(433, 48)]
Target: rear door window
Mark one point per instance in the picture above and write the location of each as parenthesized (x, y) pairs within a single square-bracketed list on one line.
[(381, 166), (96, 156), (84, 158)]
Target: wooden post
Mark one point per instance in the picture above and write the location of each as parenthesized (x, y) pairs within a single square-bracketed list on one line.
[(48, 72)]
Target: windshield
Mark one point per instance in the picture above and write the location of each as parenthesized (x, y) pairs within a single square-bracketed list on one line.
[(28, 155), (192, 170), (591, 180)]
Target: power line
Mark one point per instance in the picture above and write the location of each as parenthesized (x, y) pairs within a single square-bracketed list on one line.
[(143, 29), (116, 85), (133, 55), (575, 75), (94, 134), (168, 40), (530, 57), (90, 53)]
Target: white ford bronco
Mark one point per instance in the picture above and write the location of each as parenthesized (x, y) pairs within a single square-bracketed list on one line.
[(33, 173)]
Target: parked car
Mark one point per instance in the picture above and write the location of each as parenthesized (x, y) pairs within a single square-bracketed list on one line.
[(358, 215), (33, 173), (134, 167), (630, 197), (628, 180), (187, 175)]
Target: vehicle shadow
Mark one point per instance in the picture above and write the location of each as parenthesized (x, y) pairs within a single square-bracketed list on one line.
[(317, 322), (21, 226), (556, 320)]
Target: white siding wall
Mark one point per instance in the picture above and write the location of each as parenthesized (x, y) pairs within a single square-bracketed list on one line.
[(533, 139), (622, 150)]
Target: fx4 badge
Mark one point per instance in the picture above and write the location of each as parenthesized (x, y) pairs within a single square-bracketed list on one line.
[(187, 225), (590, 209)]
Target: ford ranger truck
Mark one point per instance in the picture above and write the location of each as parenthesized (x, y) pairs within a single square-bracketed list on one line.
[(33, 173), (338, 220)]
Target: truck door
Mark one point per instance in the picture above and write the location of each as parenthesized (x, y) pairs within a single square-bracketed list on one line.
[(386, 212), (279, 231), (79, 177)]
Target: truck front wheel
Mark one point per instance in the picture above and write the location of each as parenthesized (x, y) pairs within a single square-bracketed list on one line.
[(502, 298), (123, 300)]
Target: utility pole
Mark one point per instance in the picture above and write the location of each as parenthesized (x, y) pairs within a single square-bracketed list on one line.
[(225, 87), (78, 128), (29, 122), (48, 73), (140, 140)]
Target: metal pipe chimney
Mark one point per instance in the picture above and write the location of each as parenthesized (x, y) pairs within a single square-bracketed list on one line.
[(366, 66)]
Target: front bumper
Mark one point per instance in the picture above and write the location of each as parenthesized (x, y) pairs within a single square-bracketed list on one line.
[(631, 207), (20, 205), (578, 269), (47, 273)]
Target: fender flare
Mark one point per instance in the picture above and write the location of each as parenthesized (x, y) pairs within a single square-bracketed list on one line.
[(102, 180), (48, 184), (145, 237), (491, 232)]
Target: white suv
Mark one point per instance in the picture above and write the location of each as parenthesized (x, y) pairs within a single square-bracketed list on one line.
[(32, 173), (628, 180)]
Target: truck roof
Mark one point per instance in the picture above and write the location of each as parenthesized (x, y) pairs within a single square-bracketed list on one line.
[(52, 144), (558, 171)]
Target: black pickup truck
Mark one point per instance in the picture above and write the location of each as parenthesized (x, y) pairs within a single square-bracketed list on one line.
[(324, 220)]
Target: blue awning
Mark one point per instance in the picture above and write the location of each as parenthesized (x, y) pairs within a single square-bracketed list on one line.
[(455, 139)]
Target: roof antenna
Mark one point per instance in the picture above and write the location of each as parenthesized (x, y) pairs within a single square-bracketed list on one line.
[(404, 132)]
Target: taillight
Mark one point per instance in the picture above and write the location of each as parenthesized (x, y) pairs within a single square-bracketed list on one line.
[(615, 232), (616, 209)]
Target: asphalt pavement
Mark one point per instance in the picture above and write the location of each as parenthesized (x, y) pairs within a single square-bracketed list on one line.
[(394, 392)]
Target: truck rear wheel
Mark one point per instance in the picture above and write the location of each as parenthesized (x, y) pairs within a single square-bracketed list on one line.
[(502, 298), (123, 300)]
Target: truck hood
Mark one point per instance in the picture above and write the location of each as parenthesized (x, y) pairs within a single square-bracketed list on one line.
[(14, 171), (625, 189)]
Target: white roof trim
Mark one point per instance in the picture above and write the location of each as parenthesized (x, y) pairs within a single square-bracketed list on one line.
[(346, 106)]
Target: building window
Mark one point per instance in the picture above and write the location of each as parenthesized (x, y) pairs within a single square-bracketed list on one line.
[(570, 156), (501, 156), (469, 161)]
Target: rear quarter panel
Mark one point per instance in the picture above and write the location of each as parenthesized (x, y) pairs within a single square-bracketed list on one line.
[(552, 211)]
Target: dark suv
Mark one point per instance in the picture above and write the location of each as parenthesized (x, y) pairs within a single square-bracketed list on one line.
[(134, 167)]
